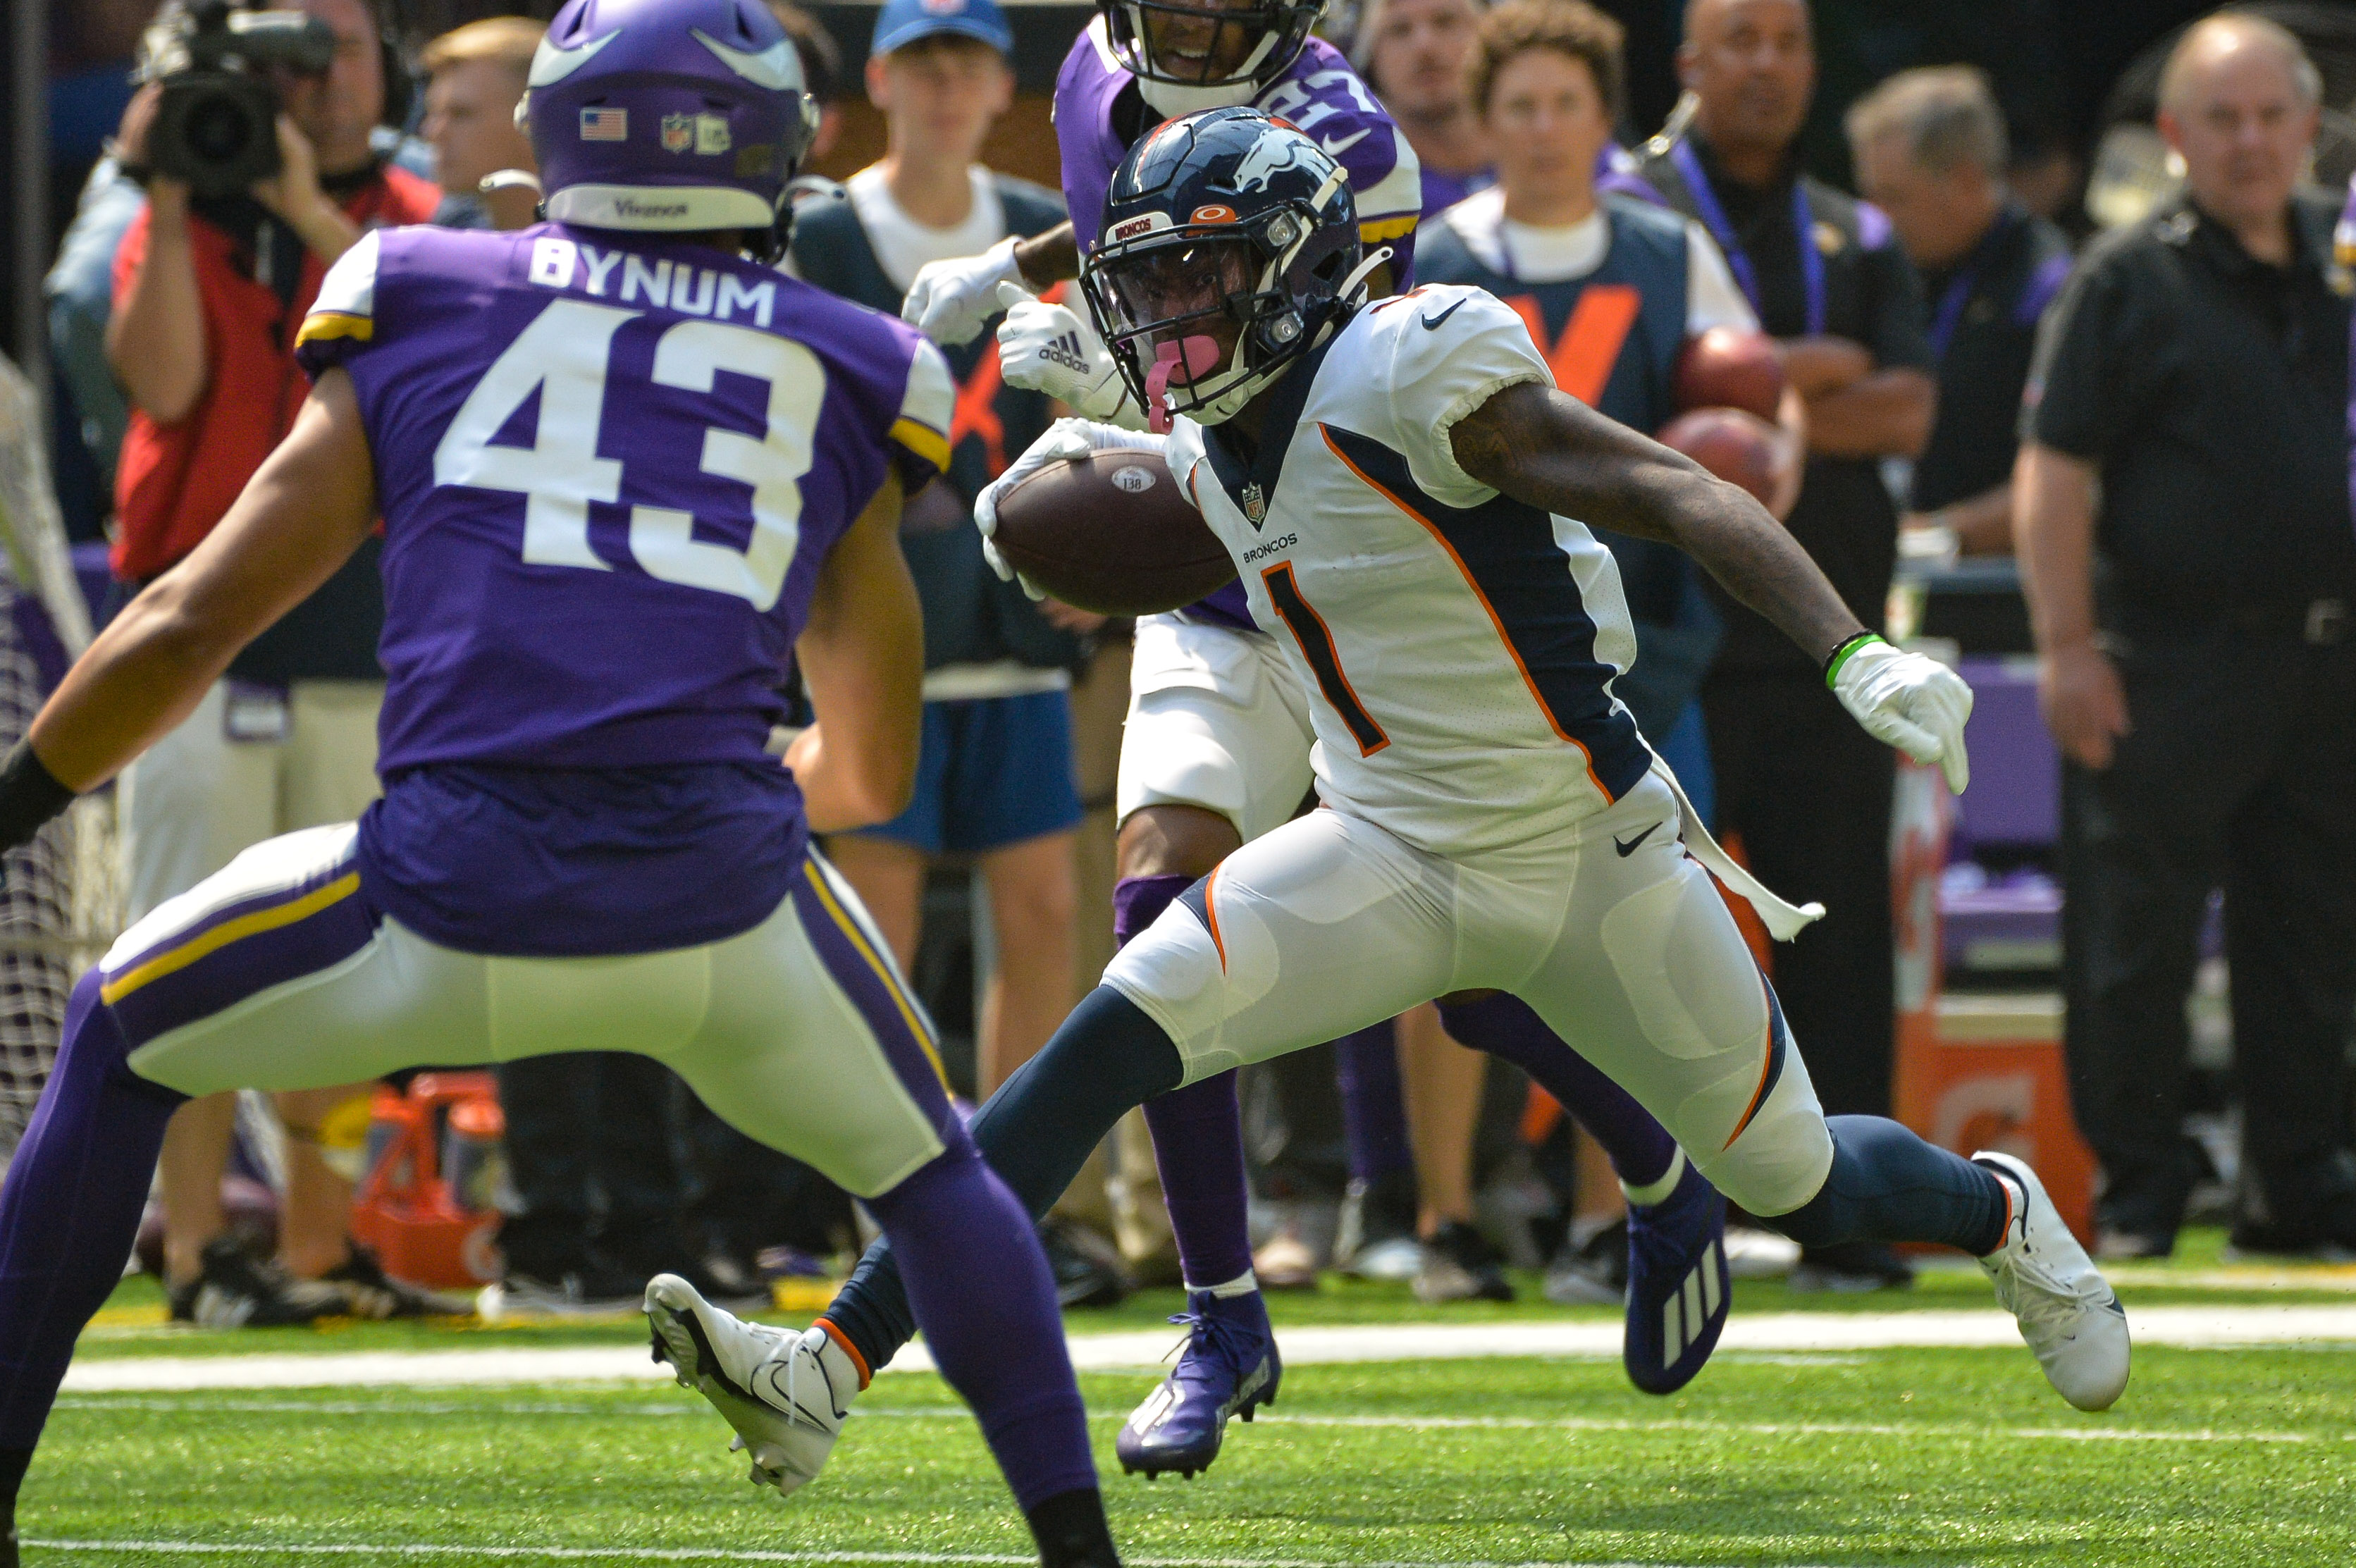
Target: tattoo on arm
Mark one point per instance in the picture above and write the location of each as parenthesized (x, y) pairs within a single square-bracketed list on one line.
[(1552, 450)]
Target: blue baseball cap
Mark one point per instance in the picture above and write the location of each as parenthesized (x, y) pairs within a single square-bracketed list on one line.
[(902, 22)]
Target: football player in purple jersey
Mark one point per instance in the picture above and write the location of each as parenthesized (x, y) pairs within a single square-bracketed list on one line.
[(1216, 746), (628, 478)]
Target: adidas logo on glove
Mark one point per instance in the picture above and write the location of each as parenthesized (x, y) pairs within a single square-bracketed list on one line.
[(1066, 351)]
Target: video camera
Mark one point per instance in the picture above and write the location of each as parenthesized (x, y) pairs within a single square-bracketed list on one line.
[(216, 121)]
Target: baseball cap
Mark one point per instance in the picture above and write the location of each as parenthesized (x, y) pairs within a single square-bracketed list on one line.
[(902, 22)]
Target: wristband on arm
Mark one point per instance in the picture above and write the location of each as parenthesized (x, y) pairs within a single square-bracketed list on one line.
[(29, 795), (1840, 656)]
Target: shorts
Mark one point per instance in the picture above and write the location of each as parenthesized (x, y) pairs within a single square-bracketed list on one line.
[(1217, 721), (276, 973), (303, 758), (1610, 933), (990, 771)]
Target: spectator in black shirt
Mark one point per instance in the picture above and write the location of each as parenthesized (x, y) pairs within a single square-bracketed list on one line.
[(1805, 796), (2183, 510), (1929, 147)]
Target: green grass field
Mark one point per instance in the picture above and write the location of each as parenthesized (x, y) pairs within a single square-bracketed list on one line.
[(2244, 1456)]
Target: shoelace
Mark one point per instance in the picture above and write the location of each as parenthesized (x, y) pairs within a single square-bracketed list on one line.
[(1230, 1340), (2048, 1301)]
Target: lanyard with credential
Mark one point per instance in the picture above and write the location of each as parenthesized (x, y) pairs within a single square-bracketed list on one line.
[(1950, 313), (1713, 216)]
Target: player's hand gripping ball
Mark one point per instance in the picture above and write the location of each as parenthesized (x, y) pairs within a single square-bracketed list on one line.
[(1102, 527)]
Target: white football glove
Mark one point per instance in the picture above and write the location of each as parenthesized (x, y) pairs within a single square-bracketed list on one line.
[(952, 300), (1060, 442), (1050, 348), (1906, 700)]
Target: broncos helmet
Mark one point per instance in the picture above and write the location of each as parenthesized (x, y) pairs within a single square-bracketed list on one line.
[(1261, 36), (1223, 215), (677, 115)]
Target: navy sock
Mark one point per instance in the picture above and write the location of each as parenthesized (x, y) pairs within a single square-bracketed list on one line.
[(1888, 1185), (70, 1206), (1071, 1531), (1374, 1102), (1036, 1132), (980, 1290), (1639, 1148), (1198, 1133), (1198, 1147)]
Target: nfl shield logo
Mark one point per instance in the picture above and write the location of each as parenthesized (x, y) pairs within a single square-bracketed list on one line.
[(1255, 505), (677, 133)]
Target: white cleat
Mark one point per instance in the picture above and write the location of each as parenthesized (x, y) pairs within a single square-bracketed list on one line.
[(2070, 1316), (785, 1392)]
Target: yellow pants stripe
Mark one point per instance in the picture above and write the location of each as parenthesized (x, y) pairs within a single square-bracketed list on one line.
[(177, 958), (858, 938)]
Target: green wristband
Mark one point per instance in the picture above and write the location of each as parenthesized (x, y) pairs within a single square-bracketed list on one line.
[(1840, 656)]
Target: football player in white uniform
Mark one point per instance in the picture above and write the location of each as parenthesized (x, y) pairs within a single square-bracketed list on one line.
[(1398, 485), (1215, 750)]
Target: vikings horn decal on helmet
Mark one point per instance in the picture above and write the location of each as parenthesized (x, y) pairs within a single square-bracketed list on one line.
[(677, 115), (1207, 45), (1230, 250)]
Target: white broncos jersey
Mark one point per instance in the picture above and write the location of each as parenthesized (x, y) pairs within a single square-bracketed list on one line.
[(1463, 642)]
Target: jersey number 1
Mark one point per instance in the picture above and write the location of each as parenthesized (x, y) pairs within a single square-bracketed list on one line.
[(1308, 629), (562, 355)]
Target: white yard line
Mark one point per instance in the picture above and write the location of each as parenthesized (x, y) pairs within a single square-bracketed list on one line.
[(720, 1554), (409, 1410), (1773, 1331)]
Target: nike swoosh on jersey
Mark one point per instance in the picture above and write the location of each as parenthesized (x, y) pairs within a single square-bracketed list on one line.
[(1431, 324), (1630, 846), (1339, 145)]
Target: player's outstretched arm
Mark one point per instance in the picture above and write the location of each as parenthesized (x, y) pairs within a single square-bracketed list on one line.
[(300, 517), (1552, 450), (863, 658)]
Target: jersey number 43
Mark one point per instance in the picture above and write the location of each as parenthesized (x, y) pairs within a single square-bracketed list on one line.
[(562, 355)]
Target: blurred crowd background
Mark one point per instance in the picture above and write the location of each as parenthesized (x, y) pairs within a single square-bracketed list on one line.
[(2075, 385)]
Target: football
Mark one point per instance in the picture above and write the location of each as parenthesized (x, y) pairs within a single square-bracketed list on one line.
[(1724, 368), (1737, 447), (1109, 532)]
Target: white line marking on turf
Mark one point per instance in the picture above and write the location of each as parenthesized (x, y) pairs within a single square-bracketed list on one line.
[(404, 1410), (721, 1554), (1773, 1331)]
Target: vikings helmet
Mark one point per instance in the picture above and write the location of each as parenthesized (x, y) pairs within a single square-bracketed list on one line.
[(677, 115), (1228, 212), (1269, 32)]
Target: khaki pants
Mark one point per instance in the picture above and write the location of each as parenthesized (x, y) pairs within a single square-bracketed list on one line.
[(199, 798)]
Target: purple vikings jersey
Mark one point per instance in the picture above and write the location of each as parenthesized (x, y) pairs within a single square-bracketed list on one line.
[(610, 468), (1318, 93)]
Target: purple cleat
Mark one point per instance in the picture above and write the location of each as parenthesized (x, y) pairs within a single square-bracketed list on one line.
[(1229, 1367), (1678, 1291)]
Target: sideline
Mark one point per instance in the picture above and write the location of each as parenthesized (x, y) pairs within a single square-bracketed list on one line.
[(2189, 1327)]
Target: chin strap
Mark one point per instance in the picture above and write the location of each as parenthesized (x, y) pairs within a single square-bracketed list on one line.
[(1354, 285)]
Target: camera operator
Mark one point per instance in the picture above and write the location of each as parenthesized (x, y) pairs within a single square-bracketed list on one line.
[(208, 292)]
